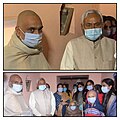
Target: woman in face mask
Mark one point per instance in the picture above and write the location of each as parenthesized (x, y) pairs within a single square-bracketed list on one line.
[(73, 110), (110, 27), (67, 91), (93, 106), (61, 101), (78, 96), (88, 86), (110, 99)]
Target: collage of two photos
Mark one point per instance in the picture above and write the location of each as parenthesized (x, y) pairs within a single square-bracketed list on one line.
[(60, 60)]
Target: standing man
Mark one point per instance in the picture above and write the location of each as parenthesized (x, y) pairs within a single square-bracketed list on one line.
[(14, 103), (42, 101), (24, 52), (92, 51)]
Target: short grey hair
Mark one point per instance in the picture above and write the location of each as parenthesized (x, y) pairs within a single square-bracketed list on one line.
[(85, 14)]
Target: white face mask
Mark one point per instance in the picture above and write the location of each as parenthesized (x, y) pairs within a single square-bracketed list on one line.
[(31, 40), (89, 87), (73, 107), (80, 89), (93, 34), (60, 89), (42, 87), (91, 100), (105, 89), (17, 87)]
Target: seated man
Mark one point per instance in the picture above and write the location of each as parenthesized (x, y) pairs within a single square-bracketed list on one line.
[(23, 51), (92, 51), (14, 103)]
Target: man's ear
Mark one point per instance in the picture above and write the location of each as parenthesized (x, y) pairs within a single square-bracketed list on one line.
[(17, 30), (10, 84)]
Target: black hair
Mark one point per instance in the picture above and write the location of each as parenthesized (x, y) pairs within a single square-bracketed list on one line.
[(48, 85), (97, 87), (91, 81), (112, 19), (109, 82), (85, 90), (58, 86), (77, 92), (68, 91)]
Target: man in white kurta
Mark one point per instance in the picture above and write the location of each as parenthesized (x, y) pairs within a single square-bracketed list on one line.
[(14, 103), (86, 53), (24, 50), (42, 101)]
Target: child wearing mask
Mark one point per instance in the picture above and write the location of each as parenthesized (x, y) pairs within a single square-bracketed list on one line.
[(93, 106)]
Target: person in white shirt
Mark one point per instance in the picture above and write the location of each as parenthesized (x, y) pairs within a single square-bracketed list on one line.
[(42, 101), (14, 103), (92, 51)]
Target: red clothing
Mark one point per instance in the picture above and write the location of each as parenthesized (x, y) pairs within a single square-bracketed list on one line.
[(100, 97)]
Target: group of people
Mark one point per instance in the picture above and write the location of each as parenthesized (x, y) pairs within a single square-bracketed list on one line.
[(94, 50), (83, 100)]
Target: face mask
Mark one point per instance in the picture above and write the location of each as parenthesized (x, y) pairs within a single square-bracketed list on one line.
[(93, 34), (73, 107), (89, 87), (80, 89), (91, 100), (17, 87), (60, 89), (64, 89), (32, 40), (105, 89), (106, 32), (42, 87), (113, 30)]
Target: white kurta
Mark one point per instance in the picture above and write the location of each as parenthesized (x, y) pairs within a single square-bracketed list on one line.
[(14, 104), (84, 54), (42, 103)]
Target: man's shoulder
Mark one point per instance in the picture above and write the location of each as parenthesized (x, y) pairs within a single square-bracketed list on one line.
[(109, 40), (78, 39)]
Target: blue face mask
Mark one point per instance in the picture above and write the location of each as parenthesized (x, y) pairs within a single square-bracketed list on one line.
[(89, 87), (42, 87), (80, 89), (92, 100), (60, 89), (17, 87), (73, 107), (105, 89), (93, 34), (64, 89), (32, 40)]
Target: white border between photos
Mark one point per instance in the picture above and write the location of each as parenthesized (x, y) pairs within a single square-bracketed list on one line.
[(58, 1)]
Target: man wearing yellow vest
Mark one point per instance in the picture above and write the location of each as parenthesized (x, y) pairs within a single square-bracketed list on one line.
[(24, 51), (92, 51)]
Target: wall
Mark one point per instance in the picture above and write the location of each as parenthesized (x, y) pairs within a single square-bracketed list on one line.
[(54, 44), (108, 9), (51, 78)]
